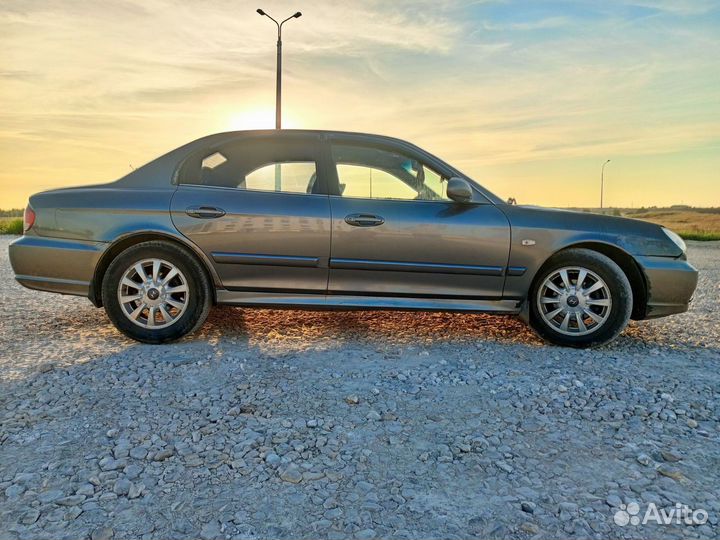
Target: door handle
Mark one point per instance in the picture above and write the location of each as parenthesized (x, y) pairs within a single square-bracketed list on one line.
[(364, 220), (204, 212)]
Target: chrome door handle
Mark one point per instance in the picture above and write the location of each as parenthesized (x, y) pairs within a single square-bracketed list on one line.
[(364, 220), (204, 212)]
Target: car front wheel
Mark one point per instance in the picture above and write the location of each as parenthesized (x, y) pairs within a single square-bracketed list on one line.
[(580, 298), (156, 292)]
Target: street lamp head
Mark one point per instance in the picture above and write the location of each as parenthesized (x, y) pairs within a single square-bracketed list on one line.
[(260, 11), (297, 15)]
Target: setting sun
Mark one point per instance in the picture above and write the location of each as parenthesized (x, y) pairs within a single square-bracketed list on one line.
[(257, 119)]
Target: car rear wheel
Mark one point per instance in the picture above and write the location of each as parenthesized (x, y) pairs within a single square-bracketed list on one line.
[(580, 298), (156, 292)]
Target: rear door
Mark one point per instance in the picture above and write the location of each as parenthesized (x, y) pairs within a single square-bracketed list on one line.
[(396, 233), (257, 207)]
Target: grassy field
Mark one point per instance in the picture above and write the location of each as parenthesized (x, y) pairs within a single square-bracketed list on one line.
[(690, 223), (11, 225)]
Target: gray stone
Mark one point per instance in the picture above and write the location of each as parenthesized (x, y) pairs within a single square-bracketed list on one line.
[(364, 486), (135, 490), (164, 454), (30, 516), (88, 490), (14, 491), (111, 464), (138, 452), (132, 471), (50, 495), (333, 513), (102, 533), (73, 513), (210, 531), (291, 474), (670, 472), (122, 486), (311, 476), (71, 500), (670, 456)]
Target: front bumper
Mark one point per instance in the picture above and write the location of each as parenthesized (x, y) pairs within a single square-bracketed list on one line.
[(670, 285), (55, 264)]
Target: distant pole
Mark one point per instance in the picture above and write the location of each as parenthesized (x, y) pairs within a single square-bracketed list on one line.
[(602, 182), (278, 74)]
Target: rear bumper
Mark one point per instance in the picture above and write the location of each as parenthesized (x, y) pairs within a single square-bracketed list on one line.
[(55, 264), (670, 285)]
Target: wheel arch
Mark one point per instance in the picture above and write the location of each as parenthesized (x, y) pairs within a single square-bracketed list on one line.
[(122, 243), (624, 260)]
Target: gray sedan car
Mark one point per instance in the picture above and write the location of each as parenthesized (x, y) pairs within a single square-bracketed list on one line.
[(335, 220)]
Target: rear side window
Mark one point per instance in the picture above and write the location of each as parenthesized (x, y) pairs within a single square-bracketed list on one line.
[(258, 165)]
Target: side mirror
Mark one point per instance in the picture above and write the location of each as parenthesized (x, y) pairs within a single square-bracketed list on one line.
[(459, 190)]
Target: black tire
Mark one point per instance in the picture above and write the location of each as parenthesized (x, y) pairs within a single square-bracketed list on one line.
[(619, 289), (198, 299)]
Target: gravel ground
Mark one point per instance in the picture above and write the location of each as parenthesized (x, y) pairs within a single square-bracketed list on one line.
[(353, 425)]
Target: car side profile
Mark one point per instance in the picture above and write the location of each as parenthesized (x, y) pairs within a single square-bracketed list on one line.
[(337, 220)]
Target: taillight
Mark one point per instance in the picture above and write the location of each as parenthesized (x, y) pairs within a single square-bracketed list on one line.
[(28, 219)]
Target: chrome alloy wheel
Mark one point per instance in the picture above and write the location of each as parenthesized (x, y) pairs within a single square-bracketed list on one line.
[(153, 293), (574, 301)]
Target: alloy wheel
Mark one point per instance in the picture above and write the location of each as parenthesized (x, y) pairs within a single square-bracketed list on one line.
[(574, 301), (153, 293)]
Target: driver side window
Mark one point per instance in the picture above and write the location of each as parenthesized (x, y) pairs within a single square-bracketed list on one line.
[(372, 173), (370, 183)]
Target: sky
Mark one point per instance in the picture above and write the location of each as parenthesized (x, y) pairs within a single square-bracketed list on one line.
[(528, 98)]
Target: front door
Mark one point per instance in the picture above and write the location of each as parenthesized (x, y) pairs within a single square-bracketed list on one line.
[(256, 207), (396, 233)]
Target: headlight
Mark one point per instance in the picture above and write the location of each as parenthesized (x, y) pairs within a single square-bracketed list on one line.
[(679, 242)]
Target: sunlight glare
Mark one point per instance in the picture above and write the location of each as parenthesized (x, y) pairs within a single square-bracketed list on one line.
[(257, 119)]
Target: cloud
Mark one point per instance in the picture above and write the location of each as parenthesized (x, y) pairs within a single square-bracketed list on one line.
[(540, 24), (678, 7)]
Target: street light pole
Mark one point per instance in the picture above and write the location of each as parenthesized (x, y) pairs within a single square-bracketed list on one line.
[(278, 75), (278, 82), (602, 182)]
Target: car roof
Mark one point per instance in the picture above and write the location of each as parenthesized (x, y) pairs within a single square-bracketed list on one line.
[(295, 132), (163, 166), (166, 165)]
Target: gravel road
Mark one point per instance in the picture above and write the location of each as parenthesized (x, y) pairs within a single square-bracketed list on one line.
[(290, 424)]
